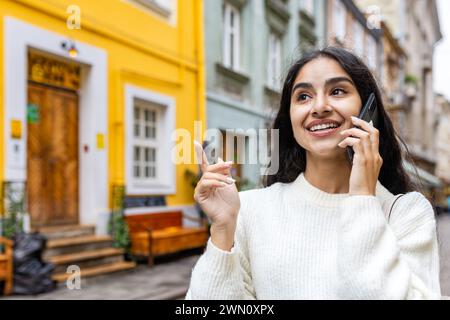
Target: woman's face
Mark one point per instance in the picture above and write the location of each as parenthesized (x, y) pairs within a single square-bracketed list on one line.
[(323, 99)]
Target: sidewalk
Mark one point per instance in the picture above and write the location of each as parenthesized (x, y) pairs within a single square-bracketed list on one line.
[(167, 280)]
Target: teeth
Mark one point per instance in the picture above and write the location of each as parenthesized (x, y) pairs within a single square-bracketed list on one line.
[(323, 126)]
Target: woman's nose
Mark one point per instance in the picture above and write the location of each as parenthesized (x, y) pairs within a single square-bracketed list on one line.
[(321, 106)]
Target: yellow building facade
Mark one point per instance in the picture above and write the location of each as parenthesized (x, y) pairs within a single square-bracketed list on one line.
[(91, 93)]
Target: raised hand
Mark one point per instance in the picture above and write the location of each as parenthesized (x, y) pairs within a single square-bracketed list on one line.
[(217, 195), (367, 161)]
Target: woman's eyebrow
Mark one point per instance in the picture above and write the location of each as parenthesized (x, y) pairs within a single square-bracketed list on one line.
[(328, 82), (304, 85), (333, 81)]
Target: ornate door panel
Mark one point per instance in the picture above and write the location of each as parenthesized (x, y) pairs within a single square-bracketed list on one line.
[(52, 164)]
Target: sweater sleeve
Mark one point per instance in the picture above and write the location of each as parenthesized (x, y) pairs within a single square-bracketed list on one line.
[(223, 275), (380, 260)]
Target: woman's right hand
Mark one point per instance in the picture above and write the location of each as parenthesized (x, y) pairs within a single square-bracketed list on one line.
[(217, 195)]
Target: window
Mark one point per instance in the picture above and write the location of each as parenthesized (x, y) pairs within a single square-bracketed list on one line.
[(371, 52), (163, 7), (358, 38), (231, 45), (308, 6), (339, 17), (145, 146), (274, 62), (150, 122)]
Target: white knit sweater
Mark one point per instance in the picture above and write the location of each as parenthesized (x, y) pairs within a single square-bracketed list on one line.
[(294, 241)]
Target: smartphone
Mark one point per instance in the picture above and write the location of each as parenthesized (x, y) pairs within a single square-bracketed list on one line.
[(368, 113)]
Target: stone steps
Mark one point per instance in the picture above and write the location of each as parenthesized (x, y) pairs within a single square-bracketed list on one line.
[(86, 259), (69, 231), (97, 270), (78, 245)]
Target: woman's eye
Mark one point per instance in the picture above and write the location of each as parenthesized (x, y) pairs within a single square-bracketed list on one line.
[(338, 92), (302, 97)]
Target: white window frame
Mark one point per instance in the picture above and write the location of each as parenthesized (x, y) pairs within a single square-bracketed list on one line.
[(231, 48), (358, 38), (165, 182), (165, 4), (339, 20), (165, 9), (274, 61), (144, 142), (307, 6)]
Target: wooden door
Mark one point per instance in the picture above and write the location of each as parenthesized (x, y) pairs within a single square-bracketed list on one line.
[(52, 159)]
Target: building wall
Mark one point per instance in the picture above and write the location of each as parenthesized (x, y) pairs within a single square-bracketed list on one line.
[(443, 139), (244, 101), (421, 39), (393, 79), (143, 49), (416, 25), (354, 15), (392, 11)]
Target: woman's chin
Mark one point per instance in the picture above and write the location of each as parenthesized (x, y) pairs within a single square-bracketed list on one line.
[(332, 152)]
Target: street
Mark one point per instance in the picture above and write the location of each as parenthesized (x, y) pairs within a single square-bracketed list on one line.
[(169, 278)]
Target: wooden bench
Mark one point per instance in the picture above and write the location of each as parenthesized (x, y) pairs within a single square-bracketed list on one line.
[(156, 234), (6, 264)]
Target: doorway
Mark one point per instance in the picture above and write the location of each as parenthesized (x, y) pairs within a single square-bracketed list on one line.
[(52, 148)]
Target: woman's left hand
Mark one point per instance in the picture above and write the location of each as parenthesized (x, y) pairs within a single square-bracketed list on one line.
[(367, 161)]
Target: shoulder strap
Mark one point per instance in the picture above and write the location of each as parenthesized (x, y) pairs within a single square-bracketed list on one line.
[(393, 200)]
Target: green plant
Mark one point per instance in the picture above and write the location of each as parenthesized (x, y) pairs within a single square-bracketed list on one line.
[(117, 226), (411, 79), (12, 197)]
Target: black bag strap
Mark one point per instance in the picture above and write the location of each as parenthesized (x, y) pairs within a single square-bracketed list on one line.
[(393, 203)]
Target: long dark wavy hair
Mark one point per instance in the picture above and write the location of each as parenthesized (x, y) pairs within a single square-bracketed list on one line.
[(292, 157)]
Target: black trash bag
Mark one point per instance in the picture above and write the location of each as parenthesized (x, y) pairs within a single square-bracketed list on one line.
[(31, 274), (28, 246)]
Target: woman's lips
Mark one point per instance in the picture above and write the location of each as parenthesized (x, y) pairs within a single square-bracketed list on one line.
[(323, 133)]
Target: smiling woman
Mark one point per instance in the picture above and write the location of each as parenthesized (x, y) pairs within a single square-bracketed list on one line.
[(323, 228), (329, 86)]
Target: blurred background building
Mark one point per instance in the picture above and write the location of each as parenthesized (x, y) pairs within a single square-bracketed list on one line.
[(250, 45), (416, 28), (443, 141)]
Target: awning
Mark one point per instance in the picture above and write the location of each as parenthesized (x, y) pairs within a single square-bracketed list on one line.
[(422, 176)]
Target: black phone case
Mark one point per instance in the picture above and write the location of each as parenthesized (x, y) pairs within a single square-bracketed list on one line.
[(368, 113)]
